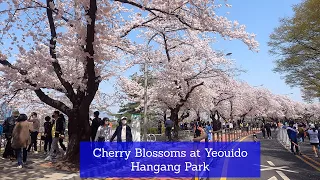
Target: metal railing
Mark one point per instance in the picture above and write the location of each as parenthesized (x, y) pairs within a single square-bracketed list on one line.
[(230, 135), (283, 137)]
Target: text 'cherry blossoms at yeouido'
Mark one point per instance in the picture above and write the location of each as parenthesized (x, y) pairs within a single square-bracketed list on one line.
[(170, 159)]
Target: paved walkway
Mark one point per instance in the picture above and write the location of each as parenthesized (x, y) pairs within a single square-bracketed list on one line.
[(36, 169), (277, 163)]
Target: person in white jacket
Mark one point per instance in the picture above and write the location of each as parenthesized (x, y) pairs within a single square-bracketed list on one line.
[(314, 140), (104, 131)]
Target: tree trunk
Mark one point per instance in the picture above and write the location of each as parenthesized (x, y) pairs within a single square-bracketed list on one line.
[(174, 114), (78, 130)]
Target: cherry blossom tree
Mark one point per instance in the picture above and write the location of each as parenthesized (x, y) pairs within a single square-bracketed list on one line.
[(71, 46), (181, 67)]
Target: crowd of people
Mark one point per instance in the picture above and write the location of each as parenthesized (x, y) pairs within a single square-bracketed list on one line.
[(297, 132), (208, 127), (21, 134)]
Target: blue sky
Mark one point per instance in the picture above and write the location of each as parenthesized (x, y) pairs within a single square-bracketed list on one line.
[(260, 18)]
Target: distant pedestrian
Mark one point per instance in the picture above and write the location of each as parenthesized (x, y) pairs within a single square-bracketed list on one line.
[(8, 126), (202, 134), (57, 133), (62, 121), (103, 133), (292, 133), (96, 122), (21, 139), (301, 133), (159, 127), (168, 126), (209, 131), (263, 130), (314, 140), (34, 134), (123, 132), (268, 129), (47, 134)]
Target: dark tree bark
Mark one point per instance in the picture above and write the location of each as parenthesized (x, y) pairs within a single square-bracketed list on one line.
[(174, 116), (78, 131)]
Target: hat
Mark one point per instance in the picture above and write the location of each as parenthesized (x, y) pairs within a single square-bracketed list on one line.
[(312, 126), (123, 118), (15, 113), (23, 117)]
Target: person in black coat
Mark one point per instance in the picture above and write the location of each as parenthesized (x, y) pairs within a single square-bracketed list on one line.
[(123, 132), (8, 127), (124, 139), (96, 122), (47, 133)]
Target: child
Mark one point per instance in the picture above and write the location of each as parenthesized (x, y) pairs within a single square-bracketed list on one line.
[(255, 138)]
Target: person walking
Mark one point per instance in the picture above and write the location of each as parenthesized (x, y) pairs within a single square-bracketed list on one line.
[(96, 122), (209, 131), (62, 121), (268, 129), (8, 126), (159, 127), (169, 125), (123, 132), (301, 133), (104, 131), (21, 139), (263, 130), (292, 133), (34, 133), (314, 140), (57, 133), (47, 134), (201, 135)]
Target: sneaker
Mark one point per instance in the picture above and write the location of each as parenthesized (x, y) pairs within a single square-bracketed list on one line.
[(49, 158), (316, 155), (35, 152), (19, 167)]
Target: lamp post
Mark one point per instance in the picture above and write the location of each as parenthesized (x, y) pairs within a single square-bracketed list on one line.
[(145, 100)]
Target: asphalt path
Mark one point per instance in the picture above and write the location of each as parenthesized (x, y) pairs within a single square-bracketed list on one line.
[(277, 163)]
